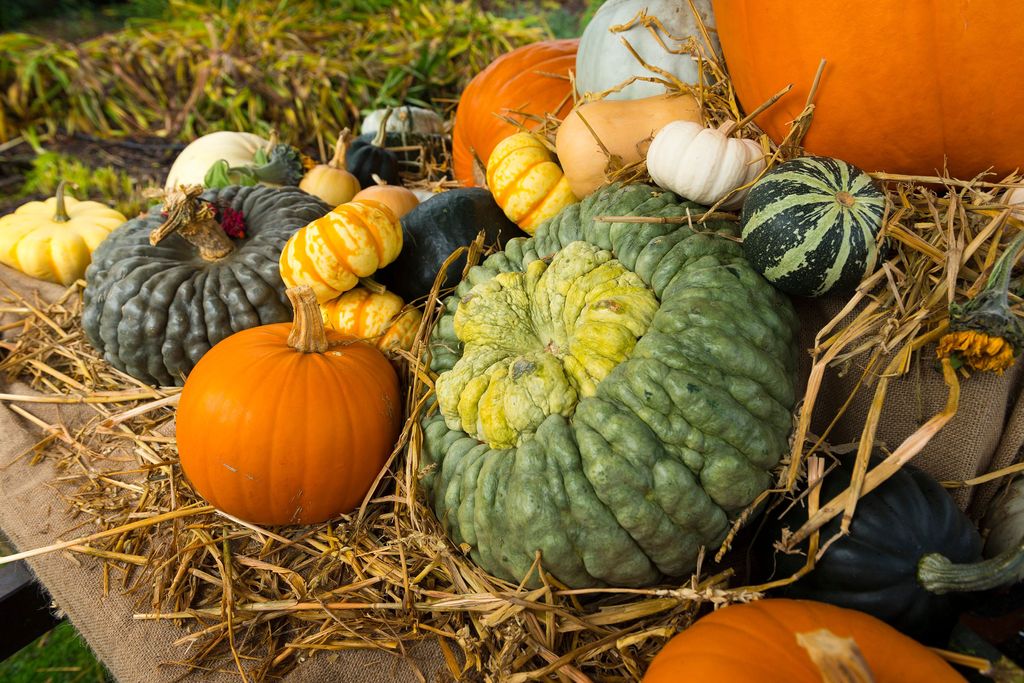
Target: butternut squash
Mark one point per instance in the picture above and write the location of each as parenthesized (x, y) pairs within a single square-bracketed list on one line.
[(625, 129)]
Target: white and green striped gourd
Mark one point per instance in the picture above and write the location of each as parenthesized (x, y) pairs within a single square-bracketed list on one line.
[(811, 225)]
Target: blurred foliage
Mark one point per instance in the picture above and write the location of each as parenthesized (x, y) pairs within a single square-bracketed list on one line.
[(60, 655), (305, 67), (105, 184)]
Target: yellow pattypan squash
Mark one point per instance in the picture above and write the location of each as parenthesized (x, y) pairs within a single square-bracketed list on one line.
[(54, 240)]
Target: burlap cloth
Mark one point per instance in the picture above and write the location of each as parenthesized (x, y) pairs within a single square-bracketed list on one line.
[(986, 434)]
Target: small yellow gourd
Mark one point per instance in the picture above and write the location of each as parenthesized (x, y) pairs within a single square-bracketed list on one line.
[(54, 240), (332, 182), (379, 317), (526, 181), (334, 252)]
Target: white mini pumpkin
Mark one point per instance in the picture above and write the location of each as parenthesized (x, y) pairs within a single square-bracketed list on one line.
[(406, 119), (190, 168), (603, 62), (704, 164)]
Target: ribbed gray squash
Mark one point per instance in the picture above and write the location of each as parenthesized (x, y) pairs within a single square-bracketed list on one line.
[(611, 394), (153, 311), (810, 226)]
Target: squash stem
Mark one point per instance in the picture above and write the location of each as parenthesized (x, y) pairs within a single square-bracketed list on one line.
[(308, 333), (194, 220), (340, 149), (372, 285), (838, 659), (382, 132), (937, 574), (61, 214)]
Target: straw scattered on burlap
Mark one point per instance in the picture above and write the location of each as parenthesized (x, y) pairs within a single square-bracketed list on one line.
[(385, 576)]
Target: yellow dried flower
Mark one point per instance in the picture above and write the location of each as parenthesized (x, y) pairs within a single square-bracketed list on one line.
[(308, 163), (977, 350)]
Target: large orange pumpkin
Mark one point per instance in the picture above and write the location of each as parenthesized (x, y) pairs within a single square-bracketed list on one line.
[(532, 79), (906, 83), (757, 643), (288, 423)]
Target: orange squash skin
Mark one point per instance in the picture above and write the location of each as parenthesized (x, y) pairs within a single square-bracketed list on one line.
[(904, 82), (274, 436), (756, 643), (520, 80)]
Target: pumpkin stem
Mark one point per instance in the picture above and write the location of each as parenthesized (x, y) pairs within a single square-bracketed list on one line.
[(308, 333), (937, 574), (372, 285), (838, 659), (61, 215), (340, 148), (194, 220), (845, 198), (382, 132)]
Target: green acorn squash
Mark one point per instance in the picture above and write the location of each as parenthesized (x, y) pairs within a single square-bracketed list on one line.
[(437, 227), (909, 555), (810, 226), (611, 394), (152, 309)]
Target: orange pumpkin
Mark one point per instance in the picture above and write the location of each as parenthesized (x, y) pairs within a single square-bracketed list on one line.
[(400, 199), (757, 643), (903, 86), (528, 79), (288, 423)]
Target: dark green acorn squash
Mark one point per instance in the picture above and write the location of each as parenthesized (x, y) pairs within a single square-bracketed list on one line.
[(153, 310), (366, 158), (435, 229), (414, 151), (909, 552), (610, 394), (810, 226)]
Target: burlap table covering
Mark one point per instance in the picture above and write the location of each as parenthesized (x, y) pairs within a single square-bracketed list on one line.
[(987, 433)]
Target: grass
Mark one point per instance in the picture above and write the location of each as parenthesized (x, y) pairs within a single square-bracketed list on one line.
[(60, 656)]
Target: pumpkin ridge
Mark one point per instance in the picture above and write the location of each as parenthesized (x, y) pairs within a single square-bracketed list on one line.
[(510, 187)]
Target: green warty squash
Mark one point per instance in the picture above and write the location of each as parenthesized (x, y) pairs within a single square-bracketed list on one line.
[(611, 394), (152, 309)]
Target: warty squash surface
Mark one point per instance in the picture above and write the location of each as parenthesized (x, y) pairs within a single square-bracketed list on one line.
[(610, 394), (153, 310)]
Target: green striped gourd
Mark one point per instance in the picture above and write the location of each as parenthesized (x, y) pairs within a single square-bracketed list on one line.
[(810, 226)]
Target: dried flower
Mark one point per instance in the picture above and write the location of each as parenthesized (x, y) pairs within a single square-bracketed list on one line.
[(984, 333)]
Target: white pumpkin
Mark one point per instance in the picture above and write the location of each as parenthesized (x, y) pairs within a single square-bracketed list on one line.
[(405, 119), (603, 62), (190, 168), (704, 164)]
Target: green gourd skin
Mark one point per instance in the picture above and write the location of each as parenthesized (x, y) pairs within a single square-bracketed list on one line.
[(669, 446), (153, 311)]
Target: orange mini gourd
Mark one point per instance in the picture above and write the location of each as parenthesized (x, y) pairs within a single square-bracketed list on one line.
[(760, 642), (380, 318), (903, 89), (401, 200), (288, 423), (334, 252), (533, 79)]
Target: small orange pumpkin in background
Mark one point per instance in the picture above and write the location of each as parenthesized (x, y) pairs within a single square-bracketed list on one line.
[(526, 181), (288, 423), (399, 199), (532, 79), (332, 182), (760, 642)]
